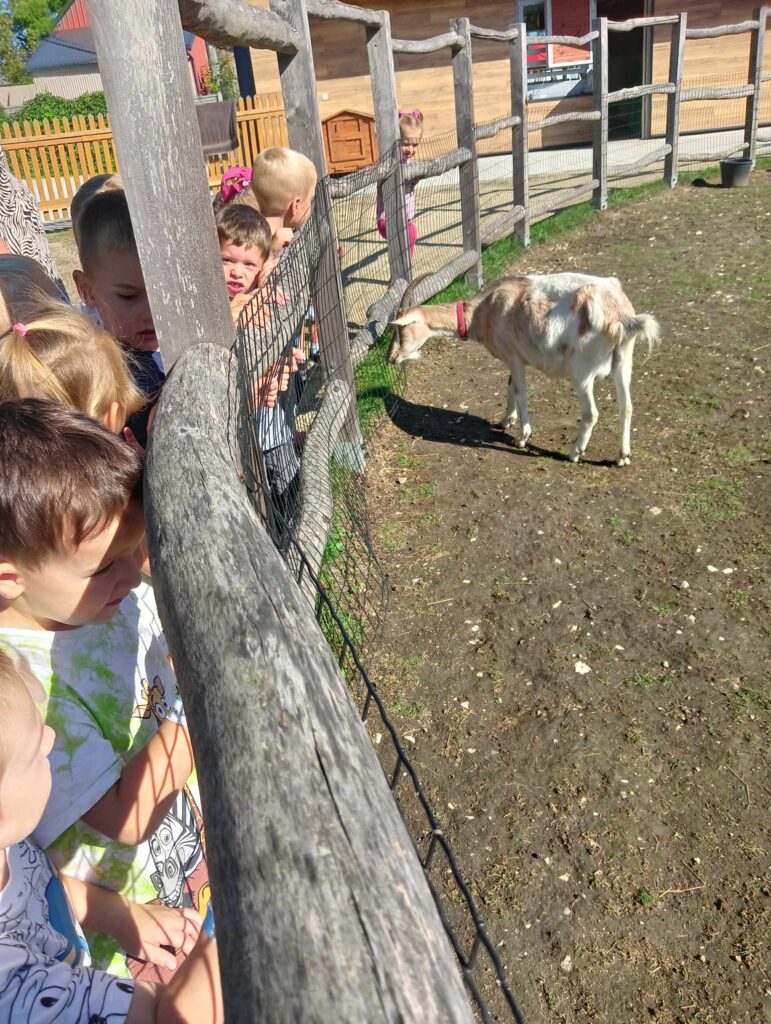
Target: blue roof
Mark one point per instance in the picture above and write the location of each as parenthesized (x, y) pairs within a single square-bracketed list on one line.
[(65, 49), (71, 49)]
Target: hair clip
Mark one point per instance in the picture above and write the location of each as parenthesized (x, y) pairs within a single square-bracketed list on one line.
[(418, 115), (20, 329)]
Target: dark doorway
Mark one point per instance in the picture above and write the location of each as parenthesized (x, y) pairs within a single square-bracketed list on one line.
[(625, 67)]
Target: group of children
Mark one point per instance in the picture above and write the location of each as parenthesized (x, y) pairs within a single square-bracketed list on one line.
[(96, 767)]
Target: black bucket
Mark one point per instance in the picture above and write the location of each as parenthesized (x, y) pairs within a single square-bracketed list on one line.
[(735, 172)]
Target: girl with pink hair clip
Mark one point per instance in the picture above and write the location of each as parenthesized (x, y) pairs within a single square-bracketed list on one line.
[(411, 131)]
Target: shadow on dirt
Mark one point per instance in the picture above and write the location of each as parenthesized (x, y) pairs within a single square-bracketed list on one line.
[(450, 426)]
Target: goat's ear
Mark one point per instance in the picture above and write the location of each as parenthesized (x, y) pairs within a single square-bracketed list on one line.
[(405, 320)]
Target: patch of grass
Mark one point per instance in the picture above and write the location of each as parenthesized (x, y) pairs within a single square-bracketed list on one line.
[(627, 537), (377, 384), (500, 584), (651, 680), (716, 498), (747, 698), (408, 708), (417, 660), (738, 599), (410, 461), (644, 897), (663, 608), (390, 537), (739, 456), (636, 738)]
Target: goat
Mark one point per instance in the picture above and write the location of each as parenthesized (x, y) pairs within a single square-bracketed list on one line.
[(565, 325)]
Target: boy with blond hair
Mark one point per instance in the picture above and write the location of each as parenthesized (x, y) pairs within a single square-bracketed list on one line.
[(45, 966), (283, 183), (123, 810)]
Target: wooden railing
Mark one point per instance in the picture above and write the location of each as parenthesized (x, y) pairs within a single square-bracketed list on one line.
[(55, 157)]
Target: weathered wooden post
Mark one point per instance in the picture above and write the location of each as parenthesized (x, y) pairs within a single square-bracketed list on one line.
[(383, 82), (323, 910), (303, 124), (600, 106), (519, 134), (463, 82), (757, 49), (147, 84), (677, 49)]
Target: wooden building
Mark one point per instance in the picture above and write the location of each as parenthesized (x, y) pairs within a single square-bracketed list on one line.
[(65, 62), (559, 80)]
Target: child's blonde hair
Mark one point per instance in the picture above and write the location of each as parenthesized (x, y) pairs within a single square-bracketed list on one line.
[(411, 119), (24, 284), (245, 198), (64, 357), (280, 176), (13, 691), (90, 188), (104, 225)]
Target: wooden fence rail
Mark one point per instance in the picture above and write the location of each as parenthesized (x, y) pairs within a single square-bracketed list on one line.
[(323, 910), (55, 157)]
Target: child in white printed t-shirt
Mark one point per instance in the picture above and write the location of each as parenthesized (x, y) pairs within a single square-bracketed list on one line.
[(124, 808), (45, 969)]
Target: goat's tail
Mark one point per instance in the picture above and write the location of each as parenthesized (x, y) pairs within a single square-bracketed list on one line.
[(641, 327)]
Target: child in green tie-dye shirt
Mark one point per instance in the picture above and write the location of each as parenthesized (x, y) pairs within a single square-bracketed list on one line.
[(124, 808)]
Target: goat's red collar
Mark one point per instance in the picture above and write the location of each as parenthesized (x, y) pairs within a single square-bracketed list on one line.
[(462, 328)]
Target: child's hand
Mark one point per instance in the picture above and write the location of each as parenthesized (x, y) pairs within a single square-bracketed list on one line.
[(237, 304), (147, 927), (282, 238)]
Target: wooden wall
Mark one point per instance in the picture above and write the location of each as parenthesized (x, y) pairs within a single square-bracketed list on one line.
[(425, 82), (722, 61)]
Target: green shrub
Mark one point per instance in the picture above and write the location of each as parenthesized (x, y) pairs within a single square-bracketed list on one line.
[(47, 107)]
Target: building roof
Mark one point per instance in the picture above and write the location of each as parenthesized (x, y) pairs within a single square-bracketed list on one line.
[(72, 48), (64, 49)]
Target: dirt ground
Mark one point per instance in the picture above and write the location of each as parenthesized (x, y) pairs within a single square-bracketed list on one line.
[(578, 654)]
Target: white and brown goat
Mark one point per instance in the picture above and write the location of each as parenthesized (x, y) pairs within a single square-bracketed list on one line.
[(565, 325)]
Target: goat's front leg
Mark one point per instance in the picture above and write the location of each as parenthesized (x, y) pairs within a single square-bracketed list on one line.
[(510, 416), (589, 416), (518, 398)]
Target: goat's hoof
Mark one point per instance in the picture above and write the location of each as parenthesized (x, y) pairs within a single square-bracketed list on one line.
[(522, 443), (575, 456), (507, 422), (624, 460)]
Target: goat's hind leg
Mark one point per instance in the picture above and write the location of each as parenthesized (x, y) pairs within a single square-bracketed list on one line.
[(589, 416), (622, 375)]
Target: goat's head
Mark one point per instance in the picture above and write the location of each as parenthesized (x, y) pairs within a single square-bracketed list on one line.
[(410, 335)]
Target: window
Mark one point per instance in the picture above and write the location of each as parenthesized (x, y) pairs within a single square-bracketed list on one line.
[(536, 14)]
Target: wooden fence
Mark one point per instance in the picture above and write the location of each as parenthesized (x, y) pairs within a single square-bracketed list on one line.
[(55, 157)]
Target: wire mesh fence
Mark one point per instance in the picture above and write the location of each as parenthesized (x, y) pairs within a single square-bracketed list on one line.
[(495, 173), (296, 419)]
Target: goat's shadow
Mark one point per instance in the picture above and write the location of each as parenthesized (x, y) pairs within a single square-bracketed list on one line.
[(453, 426)]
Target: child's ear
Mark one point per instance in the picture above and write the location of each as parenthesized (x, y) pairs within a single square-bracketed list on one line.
[(11, 583), (115, 418), (84, 289)]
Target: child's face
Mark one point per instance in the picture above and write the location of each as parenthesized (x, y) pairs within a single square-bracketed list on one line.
[(84, 584), (410, 142), (241, 265), (116, 290), (25, 776)]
